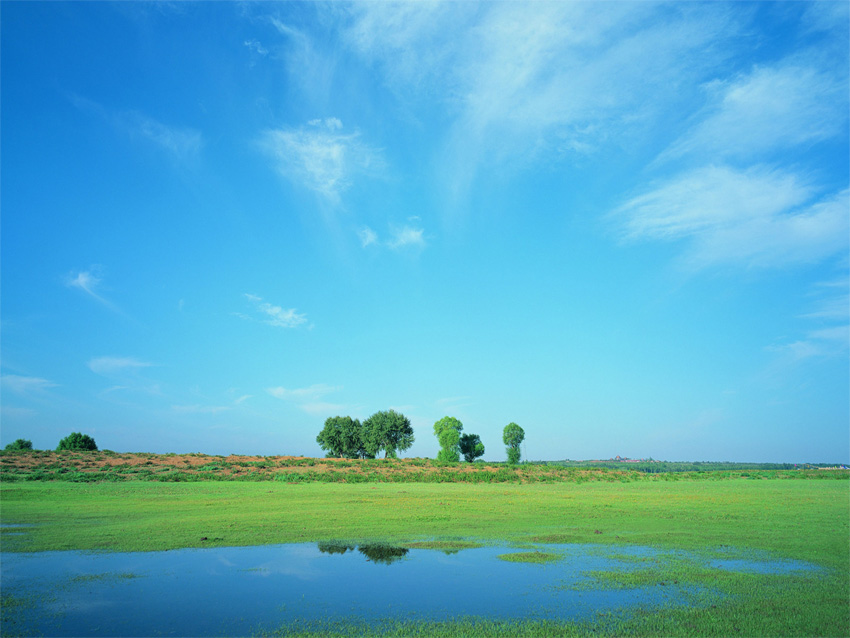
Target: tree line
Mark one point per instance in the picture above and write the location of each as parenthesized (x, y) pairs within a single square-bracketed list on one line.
[(390, 431)]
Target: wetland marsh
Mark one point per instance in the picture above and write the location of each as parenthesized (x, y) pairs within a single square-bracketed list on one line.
[(688, 557)]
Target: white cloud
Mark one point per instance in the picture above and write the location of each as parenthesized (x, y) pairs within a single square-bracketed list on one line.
[(11, 412), (816, 344), (407, 236), (275, 315), (85, 280), (111, 366), (754, 218), (300, 394), (25, 385), (836, 334), (833, 301), (199, 409), (256, 47), (320, 157), (323, 409), (521, 80), (401, 237), (826, 15), (89, 281), (180, 143), (367, 236), (769, 109), (310, 399)]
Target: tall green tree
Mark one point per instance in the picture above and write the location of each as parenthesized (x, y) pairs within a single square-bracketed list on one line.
[(77, 441), (513, 436), (447, 430), (389, 431), (342, 437), (471, 447)]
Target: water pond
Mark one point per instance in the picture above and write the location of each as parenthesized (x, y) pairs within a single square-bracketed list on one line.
[(236, 590)]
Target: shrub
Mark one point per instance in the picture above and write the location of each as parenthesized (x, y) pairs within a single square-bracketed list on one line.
[(77, 441), (19, 444)]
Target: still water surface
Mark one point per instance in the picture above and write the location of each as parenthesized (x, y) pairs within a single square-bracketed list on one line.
[(235, 590)]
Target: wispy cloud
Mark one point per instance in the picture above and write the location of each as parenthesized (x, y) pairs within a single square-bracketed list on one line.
[(819, 343), (320, 157), (832, 301), (25, 385), (113, 366), (300, 394), (274, 315), (408, 236), (829, 324), (825, 15), (759, 217), (89, 281), (771, 108), (552, 79), (200, 409), (12, 412), (206, 408), (367, 236), (256, 47), (310, 399), (321, 408), (181, 143)]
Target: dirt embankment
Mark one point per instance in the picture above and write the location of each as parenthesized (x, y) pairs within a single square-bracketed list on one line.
[(114, 466)]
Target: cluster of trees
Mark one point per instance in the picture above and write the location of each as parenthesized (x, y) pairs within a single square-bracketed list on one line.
[(390, 431), (74, 441), (345, 437), (453, 443)]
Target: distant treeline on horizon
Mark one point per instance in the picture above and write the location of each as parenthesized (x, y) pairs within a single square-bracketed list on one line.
[(652, 466)]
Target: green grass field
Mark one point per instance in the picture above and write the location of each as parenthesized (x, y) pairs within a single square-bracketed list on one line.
[(807, 520)]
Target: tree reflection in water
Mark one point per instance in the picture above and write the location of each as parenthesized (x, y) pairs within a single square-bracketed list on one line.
[(375, 552), (335, 547)]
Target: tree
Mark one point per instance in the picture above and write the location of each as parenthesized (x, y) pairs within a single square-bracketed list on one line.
[(77, 441), (389, 431), (342, 437), (513, 435), (447, 431), (471, 447), (19, 444)]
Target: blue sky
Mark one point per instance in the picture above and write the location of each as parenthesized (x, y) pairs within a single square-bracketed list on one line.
[(623, 226)]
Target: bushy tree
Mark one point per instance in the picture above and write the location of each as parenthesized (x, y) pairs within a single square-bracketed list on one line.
[(77, 441), (513, 435), (471, 447), (447, 431), (389, 431), (342, 437), (19, 444)]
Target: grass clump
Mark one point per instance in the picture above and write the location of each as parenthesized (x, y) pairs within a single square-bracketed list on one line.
[(444, 546), (530, 557)]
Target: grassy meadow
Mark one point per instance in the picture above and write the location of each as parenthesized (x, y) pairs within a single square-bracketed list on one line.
[(763, 514)]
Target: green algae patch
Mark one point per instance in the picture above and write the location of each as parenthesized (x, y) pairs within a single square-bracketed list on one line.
[(530, 557)]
